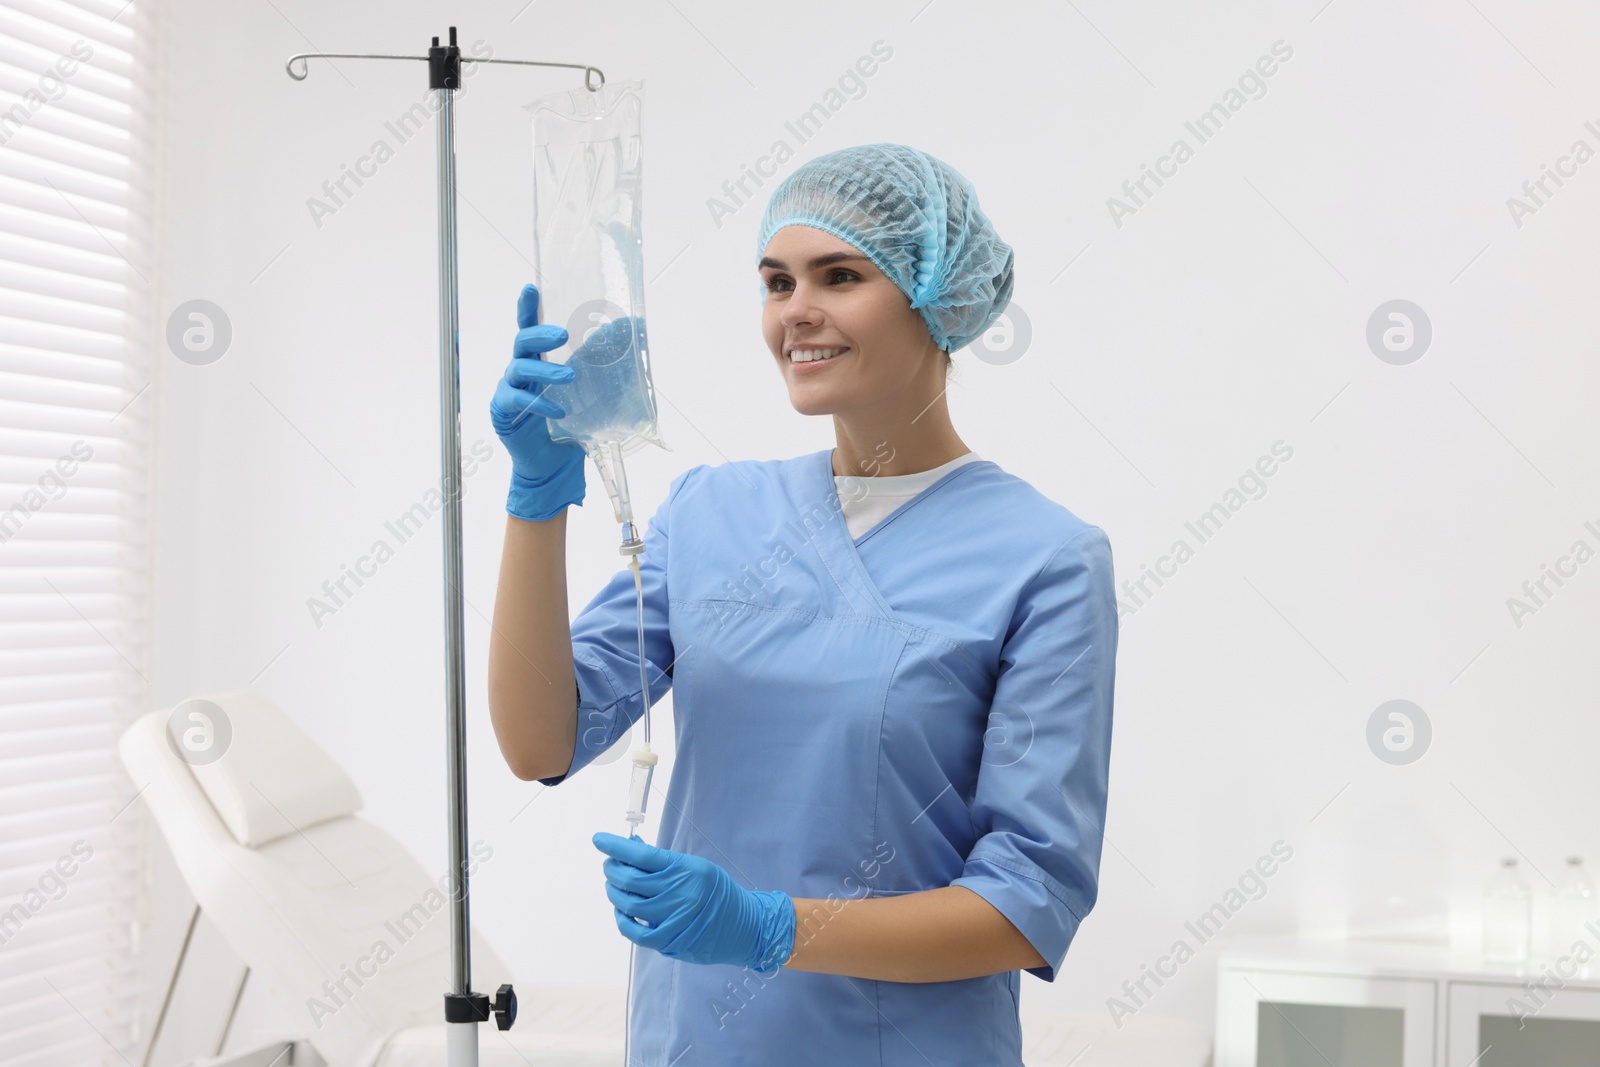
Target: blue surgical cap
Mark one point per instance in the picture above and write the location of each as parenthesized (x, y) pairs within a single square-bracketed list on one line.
[(917, 219)]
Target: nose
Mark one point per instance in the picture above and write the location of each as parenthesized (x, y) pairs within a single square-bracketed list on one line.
[(799, 309)]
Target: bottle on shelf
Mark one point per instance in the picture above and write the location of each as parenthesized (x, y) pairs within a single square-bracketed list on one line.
[(1507, 915), (1573, 905)]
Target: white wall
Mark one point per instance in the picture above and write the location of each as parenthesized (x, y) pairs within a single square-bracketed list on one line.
[(1168, 353)]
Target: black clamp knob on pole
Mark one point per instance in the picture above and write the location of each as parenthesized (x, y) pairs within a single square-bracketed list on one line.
[(444, 64), (475, 1007), (505, 1007)]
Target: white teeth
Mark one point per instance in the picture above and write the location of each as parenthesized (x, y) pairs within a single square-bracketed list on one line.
[(808, 355)]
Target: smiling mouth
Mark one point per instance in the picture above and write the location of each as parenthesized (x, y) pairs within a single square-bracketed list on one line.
[(810, 356)]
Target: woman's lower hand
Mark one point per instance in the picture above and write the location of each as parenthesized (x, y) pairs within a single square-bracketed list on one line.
[(695, 910)]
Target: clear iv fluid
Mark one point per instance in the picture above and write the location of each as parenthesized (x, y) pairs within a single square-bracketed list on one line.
[(610, 398)]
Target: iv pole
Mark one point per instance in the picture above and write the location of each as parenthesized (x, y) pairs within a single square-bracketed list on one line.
[(463, 1009)]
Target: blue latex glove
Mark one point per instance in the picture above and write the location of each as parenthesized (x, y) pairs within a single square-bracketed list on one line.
[(696, 911), (546, 476)]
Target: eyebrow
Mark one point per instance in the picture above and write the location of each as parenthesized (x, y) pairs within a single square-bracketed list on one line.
[(820, 261)]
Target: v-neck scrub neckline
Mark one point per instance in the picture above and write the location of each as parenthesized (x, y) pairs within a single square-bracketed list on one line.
[(867, 500)]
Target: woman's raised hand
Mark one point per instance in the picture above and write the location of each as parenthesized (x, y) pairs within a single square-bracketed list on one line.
[(546, 476)]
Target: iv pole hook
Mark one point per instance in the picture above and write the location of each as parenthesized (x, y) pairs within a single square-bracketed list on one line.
[(594, 78)]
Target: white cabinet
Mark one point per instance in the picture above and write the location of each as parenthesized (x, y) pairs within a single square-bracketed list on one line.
[(1504, 1025), (1280, 1019), (1292, 1002)]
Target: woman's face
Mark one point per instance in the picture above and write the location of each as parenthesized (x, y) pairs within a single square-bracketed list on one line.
[(823, 293)]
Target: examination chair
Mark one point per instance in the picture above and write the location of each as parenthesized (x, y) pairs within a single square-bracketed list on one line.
[(301, 888)]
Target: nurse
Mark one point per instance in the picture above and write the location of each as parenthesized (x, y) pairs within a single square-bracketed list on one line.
[(892, 665)]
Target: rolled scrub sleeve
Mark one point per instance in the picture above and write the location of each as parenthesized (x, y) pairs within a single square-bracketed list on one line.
[(605, 647), (1040, 801)]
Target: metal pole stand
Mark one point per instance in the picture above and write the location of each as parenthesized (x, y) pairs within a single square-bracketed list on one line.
[(463, 1008)]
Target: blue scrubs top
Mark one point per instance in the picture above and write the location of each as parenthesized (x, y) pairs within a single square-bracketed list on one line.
[(926, 705)]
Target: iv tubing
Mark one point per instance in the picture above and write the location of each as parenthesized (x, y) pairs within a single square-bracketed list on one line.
[(644, 760)]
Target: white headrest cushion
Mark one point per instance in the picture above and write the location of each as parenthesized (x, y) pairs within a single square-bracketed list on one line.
[(271, 779)]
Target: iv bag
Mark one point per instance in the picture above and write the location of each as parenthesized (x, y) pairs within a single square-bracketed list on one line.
[(589, 262)]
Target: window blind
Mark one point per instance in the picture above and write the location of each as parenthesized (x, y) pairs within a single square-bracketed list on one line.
[(77, 154)]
